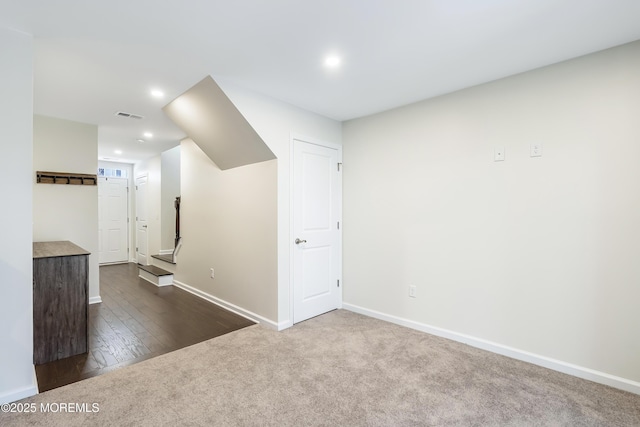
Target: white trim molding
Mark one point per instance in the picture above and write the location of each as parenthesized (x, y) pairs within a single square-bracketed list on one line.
[(95, 300), (514, 353), (285, 325), (21, 393), (229, 306)]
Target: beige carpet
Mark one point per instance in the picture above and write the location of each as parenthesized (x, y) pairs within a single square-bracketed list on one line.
[(339, 369)]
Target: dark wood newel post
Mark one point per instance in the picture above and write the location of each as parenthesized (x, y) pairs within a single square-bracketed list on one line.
[(177, 205)]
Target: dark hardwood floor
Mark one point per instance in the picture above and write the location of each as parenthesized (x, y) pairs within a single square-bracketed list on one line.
[(137, 321)]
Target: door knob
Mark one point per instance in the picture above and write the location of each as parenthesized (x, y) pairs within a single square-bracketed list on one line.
[(298, 241), (144, 226)]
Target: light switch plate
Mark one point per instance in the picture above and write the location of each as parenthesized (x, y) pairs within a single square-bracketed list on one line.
[(498, 154)]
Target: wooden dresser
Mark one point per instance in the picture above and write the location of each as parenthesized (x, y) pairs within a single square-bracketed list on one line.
[(60, 301)]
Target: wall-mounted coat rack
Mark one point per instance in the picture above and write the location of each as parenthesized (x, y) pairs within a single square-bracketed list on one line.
[(66, 178)]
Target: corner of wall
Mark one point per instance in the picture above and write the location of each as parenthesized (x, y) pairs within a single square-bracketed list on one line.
[(16, 258)]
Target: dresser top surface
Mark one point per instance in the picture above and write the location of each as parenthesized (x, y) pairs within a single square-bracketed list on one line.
[(57, 249)]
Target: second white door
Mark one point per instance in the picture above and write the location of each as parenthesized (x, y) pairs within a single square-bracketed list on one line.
[(142, 220)]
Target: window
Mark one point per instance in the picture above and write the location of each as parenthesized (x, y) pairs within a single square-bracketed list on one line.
[(115, 173)]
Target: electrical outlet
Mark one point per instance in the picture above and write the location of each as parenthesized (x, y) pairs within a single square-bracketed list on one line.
[(535, 150), (212, 275), (412, 291)]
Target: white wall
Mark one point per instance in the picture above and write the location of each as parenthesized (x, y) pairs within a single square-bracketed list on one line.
[(538, 254), (17, 378), (170, 189), (275, 122), (67, 212), (229, 223), (152, 168)]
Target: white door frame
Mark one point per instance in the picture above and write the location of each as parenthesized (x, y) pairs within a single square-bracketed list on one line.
[(338, 148)]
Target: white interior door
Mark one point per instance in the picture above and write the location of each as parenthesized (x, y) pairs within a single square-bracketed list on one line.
[(112, 220), (142, 220), (317, 195)]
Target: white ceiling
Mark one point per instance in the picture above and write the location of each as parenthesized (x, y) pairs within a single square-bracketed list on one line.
[(93, 58)]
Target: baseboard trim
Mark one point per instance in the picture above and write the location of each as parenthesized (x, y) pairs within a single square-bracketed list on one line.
[(228, 306), (285, 325), (514, 353), (20, 393), (165, 252), (95, 300), (113, 263)]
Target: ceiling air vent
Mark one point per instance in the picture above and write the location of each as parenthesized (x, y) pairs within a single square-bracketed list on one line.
[(128, 115)]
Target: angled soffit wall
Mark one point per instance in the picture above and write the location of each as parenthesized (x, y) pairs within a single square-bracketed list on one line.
[(211, 120)]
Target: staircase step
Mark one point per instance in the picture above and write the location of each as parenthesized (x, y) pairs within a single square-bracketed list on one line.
[(156, 271), (155, 275), (166, 258)]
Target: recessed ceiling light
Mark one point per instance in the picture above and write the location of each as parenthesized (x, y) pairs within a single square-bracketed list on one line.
[(332, 61), (148, 134), (118, 151), (156, 93), (140, 140)]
